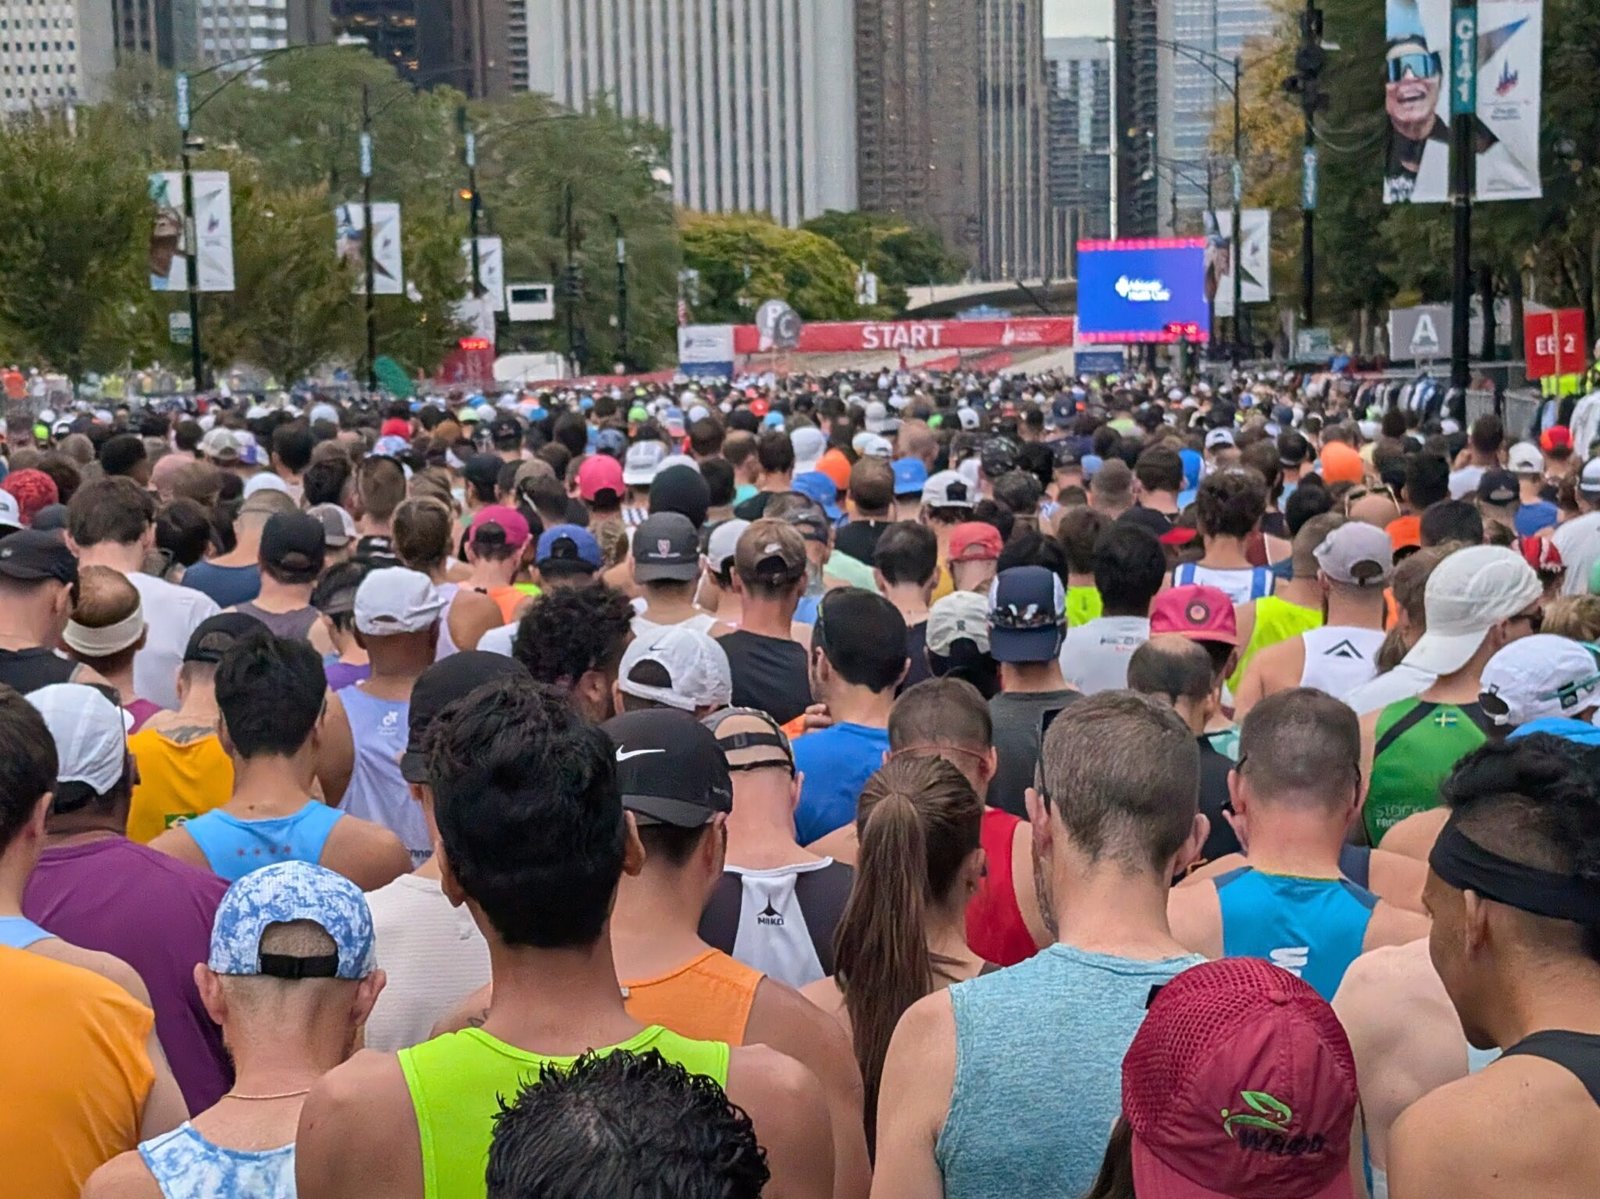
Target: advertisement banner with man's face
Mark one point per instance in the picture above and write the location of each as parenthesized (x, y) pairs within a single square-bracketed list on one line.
[(1419, 84), (1255, 235), (213, 220)]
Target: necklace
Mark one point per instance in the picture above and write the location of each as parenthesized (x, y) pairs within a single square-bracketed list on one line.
[(263, 1098)]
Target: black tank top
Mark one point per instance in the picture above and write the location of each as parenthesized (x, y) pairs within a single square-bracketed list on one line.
[(26, 670), (1355, 863), (1577, 1052)]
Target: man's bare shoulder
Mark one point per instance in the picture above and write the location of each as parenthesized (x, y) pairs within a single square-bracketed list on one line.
[(107, 966), (1388, 982), (358, 1133)]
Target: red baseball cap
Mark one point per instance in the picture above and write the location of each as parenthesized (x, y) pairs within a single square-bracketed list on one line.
[(974, 541), (1556, 437), (1541, 554), (512, 524), (396, 427), (1240, 1084), (1197, 612), (759, 407), (600, 472)]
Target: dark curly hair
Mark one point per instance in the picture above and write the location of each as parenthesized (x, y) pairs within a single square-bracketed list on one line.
[(570, 631), (1231, 503), (624, 1124)]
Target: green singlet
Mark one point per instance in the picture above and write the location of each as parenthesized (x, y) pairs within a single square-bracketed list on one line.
[(1417, 745), (457, 1080), (1083, 605), (1276, 620)]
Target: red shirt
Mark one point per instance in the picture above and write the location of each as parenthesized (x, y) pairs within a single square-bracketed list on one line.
[(996, 931)]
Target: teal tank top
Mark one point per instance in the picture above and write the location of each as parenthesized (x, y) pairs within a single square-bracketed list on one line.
[(1038, 1083), (1311, 927), (235, 847)]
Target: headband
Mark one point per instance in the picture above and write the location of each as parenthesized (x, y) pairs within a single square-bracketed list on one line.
[(1465, 865), (108, 639)]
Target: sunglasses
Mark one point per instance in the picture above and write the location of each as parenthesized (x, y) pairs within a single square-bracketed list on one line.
[(1357, 494), (1535, 619), (1418, 64)]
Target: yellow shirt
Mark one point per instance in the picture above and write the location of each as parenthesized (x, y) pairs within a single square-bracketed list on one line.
[(176, 782), (74, 1072)]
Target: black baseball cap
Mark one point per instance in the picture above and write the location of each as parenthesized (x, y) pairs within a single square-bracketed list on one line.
[(666, 546), (670, 768), (681, 489), (505, 432), (1293, 448), (999, 455), (440, 686), (31, 556), (294, 542), (482, 470), (1498, 487), (215, 635)]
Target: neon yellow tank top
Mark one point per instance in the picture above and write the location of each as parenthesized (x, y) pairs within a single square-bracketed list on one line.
[(1276, 620), (1083, 605), (456, 1082)]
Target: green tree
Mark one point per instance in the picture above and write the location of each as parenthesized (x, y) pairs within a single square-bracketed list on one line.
[(900, 253), (74, 230), (746, 258)]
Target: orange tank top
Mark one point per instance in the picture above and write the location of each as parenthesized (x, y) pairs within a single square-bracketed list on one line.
[(708, 998), (74, 1072)]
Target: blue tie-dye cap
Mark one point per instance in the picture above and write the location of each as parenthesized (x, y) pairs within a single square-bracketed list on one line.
[(282, 893)]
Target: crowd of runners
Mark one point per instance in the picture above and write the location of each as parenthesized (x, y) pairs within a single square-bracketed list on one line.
[(902, 785)]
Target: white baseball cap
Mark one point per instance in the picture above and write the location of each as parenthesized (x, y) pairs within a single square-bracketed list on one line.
[(673, 460), (1539, 676), (722, 543), (89, 731), (871, 445), (396, 600), (1219, 437), (809, 446), (968, 417), (10, 511), (961, 614), (948, 489), (643, 461), (1525, 459), (1468, 593), (695, 667), (265, 481), (878, 419), (1589, 478)]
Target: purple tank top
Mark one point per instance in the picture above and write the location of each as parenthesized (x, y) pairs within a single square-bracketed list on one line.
[(155, 913)]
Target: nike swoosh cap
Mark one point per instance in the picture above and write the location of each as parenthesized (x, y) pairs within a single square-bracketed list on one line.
[(670, 768)]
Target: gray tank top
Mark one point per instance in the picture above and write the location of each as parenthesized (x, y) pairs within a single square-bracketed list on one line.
[(291, 626), (1038, 1084)]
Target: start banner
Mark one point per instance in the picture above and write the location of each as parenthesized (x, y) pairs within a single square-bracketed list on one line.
[(846, 337)]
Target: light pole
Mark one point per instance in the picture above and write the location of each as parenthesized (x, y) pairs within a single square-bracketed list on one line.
[(622, 294), (369, 262), (1184, 170), (1463, 164)]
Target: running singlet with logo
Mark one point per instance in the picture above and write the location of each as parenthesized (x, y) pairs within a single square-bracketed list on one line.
[(187, 1166), (1417, 745), (1276, 620), (780, 922), (1339, 658), (456, 1082), (377, 792), (1311, 927), (235, 847), (1240, 586)]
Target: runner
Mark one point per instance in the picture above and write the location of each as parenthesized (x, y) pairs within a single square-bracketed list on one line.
[(947, 501), (769, 668), (978, 1070), (858, 659), (533, 837), (334, 598), (95, 889), (234, 578), (871, 501), (906, 570), (1511, 895), (777, 904), (112, 523), (775, 459), (1230, 505), (83, 1073), (1478, 599), (1354, 564), (1027, 622), (1295, 606), (1295, 793), (1079, 530), (38, 586), (430, 950), (291, 557), (290, 976), (270, 697), (666, 570), (105, 633), (669, 1130), (973, 554), (184, 770), (496, 540), (903, 933), (1129, 570), (423, 530), (573, 638), (958, 642)]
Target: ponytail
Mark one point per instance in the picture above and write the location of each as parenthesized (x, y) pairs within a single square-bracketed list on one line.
[(917, 820)]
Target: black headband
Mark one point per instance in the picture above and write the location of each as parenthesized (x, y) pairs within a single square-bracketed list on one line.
[(737, 741), (1465, 865)]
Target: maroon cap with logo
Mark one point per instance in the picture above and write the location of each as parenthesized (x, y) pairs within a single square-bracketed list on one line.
[(1240, 1085)]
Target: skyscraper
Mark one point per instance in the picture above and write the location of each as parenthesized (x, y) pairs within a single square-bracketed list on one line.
[(465, 43), (1220, 27), (230, 29), (1138, 110), (1080, 132), (1018, 239), (53, 54), (759, 95), (917, 115)]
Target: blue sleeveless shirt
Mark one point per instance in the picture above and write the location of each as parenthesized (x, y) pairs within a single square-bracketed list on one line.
[(187, 1166), (1312, 927), (18, 932), (235, 847)]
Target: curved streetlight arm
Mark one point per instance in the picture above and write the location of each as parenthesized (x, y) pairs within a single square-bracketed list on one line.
[(187, 111), (1208, 59)]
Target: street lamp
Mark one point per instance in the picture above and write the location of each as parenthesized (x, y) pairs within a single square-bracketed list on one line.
[(1210, 60), (1181, 169)]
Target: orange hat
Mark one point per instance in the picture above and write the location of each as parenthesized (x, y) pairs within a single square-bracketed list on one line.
[(837, 467), (1341, 464)]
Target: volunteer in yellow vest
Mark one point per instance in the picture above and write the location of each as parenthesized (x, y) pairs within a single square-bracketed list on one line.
[(530, 834)]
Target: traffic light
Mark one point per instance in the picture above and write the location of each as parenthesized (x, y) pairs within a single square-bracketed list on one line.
[(1309, 62)]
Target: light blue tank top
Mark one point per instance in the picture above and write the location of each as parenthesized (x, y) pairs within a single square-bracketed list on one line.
[(1312, 927), (1038, 1082), (18, 932), (187, 1166), (377, 791), (235, 847)]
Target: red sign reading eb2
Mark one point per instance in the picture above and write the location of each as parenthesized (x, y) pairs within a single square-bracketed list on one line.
[(1553, 342)]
